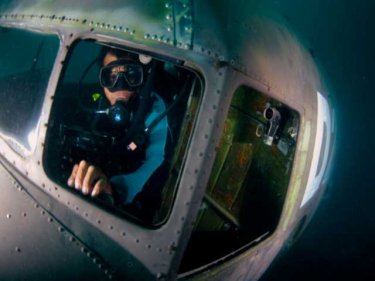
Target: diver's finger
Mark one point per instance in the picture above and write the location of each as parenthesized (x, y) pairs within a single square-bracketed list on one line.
[(91, 176), (73, 176), (101, 186), (81, 174)]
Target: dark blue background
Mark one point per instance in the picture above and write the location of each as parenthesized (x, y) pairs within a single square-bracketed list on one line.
[(339, 243)]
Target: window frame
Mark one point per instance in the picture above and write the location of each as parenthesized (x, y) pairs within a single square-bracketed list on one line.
[(183, 139), (241, 80)]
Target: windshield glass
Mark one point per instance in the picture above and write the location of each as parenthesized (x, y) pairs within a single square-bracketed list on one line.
[(24, 76), (119, 127)]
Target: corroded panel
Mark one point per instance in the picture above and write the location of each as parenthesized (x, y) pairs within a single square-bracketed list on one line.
[(233, 174)]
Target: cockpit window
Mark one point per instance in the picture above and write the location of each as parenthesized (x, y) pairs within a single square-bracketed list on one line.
[(119, 126), (249, 179), (26, 62)]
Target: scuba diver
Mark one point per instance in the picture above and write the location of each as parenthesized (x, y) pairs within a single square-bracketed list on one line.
[(138, 115)]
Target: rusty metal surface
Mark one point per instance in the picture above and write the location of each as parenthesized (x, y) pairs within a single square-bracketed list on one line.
[(230, 45)]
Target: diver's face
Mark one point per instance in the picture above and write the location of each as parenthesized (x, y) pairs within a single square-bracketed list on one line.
[(123, 95)]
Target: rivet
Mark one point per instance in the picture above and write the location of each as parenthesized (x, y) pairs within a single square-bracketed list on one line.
[(8, 216), (172, 247), (18, 250)]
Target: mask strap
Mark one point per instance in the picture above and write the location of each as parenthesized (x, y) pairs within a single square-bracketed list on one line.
[(144, 105)]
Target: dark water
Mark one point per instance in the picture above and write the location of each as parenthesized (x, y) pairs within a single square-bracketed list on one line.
[(339, 243)]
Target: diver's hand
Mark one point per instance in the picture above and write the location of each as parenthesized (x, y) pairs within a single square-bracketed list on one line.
[(89, 179)]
